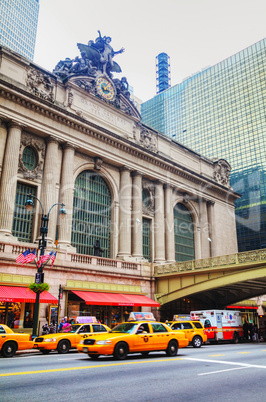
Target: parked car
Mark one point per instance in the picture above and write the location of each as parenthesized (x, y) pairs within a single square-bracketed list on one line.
[(68, 338), (11, 341), (194, 331)]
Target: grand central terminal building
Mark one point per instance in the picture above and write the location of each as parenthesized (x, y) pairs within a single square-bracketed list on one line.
[(134, 198)]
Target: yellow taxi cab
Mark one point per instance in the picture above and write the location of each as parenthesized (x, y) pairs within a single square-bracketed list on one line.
[(68, 337), (193, 329), (11, 341), (140, 334)]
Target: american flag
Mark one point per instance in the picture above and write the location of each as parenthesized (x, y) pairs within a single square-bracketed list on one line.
[(30, 257), (44, 258), (22, 257), (53, 259)]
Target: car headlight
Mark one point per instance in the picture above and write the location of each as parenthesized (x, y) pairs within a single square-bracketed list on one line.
[(50, 340), (81, 342), (106, 342)]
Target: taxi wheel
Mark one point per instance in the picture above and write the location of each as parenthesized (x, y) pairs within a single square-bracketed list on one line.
[(9, 349), (196, 342), (235, 338), (121, 351), (172, 348), (63, 347)]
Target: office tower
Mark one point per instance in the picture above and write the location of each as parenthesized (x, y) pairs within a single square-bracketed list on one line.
[(18, 25), (220, 113), (163, 75)]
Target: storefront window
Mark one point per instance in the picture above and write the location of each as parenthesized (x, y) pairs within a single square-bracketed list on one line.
[(28, 315), (10, 314)]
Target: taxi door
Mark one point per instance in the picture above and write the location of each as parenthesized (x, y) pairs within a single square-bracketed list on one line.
[(83, 332), (187, 327), (143, 341), (161, 336)]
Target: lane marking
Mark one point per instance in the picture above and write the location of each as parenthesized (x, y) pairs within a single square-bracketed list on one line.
[(86, 367), (243, 353), (216, 355), (224, 362), (222, 371)]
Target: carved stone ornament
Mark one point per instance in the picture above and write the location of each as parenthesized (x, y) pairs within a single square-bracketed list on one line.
[(148, 140), (222, 171), (148, 202), (98, 162), (39, 148), (40, 84)]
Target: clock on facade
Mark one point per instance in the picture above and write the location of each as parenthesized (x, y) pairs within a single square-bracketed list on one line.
[(105, 88)]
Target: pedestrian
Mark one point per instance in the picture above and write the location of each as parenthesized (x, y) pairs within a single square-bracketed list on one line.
[(251, 331), (256, 333), (45, 329), (245, 330), (60, 326)]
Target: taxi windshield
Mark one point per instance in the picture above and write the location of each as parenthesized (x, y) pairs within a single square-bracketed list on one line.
[(125, 328), (70, 328)]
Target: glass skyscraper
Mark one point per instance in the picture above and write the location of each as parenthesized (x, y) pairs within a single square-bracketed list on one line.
[(220, 112), (18, 25)]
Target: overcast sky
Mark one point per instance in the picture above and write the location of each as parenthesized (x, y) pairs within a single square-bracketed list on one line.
[(194, 33)]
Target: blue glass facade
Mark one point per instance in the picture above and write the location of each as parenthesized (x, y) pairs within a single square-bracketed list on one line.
[(220, 113), (163, 75), (18, 25)]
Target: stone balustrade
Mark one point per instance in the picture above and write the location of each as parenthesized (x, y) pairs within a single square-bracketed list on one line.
[(214, 262), (13, 250)]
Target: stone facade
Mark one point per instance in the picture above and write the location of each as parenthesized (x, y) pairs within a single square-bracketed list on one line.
[(72, 130)]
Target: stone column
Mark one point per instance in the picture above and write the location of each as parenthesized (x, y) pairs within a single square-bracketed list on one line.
[(49, 186), (136, 214), (8, 186), (212, 235), (204, 229), (124, 230), (159, 230), (169, 224), (66, 195)]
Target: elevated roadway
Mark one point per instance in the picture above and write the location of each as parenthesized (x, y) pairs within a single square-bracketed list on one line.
[(215, 282)]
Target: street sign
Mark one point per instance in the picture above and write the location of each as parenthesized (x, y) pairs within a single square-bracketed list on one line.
[(38, 277)]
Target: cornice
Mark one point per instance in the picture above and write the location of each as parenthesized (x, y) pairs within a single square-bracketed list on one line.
[(55, 112)]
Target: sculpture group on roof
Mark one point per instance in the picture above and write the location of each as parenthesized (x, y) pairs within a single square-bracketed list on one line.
[(95, 63), (96, 58)]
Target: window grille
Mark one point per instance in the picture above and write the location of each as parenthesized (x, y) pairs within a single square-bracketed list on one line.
[(22, 221), (146, 239), (91, 214), (184, 234), (29, 158)]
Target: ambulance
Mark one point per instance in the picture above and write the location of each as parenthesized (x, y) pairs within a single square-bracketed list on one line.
[(220, 325)]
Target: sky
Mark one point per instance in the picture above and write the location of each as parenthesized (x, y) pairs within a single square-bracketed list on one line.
[(194, 33)]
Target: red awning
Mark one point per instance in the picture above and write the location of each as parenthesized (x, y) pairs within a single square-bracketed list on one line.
[(24, 295), (115, 299)]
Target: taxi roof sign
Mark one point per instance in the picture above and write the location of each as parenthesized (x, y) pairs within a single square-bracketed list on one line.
[(85, 319), (181, 317), (139, 316)]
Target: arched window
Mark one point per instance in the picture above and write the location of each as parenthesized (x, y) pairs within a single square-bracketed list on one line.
[(184, 234), (91, 214)]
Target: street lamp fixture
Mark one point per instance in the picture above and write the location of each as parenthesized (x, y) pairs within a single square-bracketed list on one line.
[(42, 246)]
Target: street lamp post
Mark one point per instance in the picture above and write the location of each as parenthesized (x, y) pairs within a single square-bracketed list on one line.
[(39, 277), (140, 240)]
